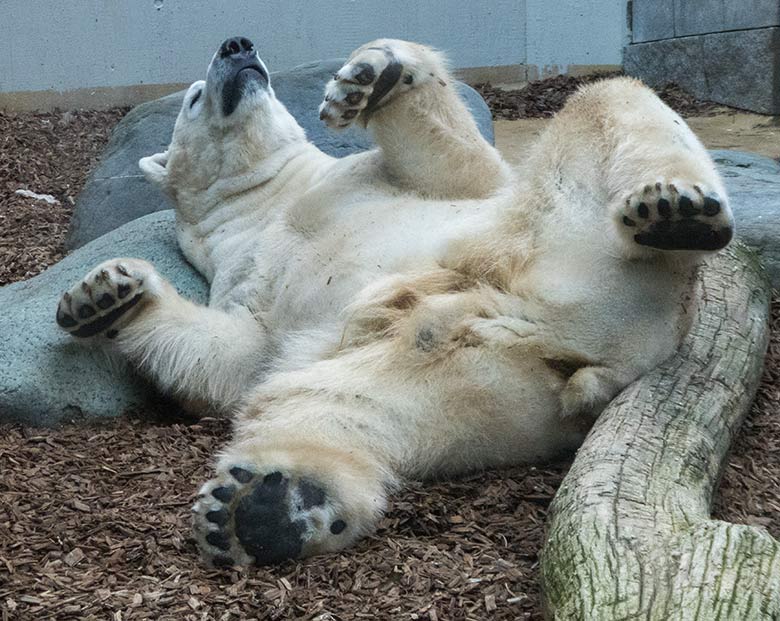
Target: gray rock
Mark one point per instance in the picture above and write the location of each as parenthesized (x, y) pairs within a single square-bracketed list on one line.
[(753, 184), (738, 68), (46, 376), (116, 192)]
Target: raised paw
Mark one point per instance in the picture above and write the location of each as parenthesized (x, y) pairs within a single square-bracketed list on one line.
[(107, 296), (676, 216), (245, 516), (376, 73)]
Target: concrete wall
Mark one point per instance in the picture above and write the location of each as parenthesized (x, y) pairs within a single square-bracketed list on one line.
[(654, 20), (566, 34), (726, 51), (131, 47)]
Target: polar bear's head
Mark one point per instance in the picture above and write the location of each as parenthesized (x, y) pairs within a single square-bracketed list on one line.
[(228, 124)]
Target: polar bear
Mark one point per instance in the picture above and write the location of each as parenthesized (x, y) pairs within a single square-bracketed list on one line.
[(421, 309)]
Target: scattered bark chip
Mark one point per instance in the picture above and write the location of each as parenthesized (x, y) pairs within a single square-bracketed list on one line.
[(95, 521)]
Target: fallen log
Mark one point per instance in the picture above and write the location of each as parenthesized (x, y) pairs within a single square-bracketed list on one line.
[(630, 534)]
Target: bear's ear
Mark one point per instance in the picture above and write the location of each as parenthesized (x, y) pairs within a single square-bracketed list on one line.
[(153, 167)]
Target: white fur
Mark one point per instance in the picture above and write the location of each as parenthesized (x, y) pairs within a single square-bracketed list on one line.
[(420, 309)]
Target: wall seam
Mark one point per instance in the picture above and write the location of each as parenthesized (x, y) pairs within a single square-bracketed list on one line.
[(704, 34)]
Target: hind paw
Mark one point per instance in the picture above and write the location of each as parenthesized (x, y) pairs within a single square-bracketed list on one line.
[(676, 216), (245, 516), (107, 297)]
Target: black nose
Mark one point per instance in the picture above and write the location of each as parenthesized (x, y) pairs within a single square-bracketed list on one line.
[(235, 46)]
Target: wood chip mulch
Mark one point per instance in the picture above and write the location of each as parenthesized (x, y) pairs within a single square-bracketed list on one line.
[(46, 153), (94, 524), (543, 98), (94, 521)]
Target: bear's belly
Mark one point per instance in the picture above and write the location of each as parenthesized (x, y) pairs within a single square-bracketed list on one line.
[(313, 276)]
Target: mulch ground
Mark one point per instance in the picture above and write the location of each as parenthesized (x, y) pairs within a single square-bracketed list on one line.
[(543, 98), (49, 153), (94, 521)]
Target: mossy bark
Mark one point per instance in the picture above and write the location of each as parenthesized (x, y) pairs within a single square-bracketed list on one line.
[(630, 534)]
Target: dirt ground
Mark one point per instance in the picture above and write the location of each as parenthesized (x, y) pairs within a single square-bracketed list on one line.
[(94, 521), (723, 129)]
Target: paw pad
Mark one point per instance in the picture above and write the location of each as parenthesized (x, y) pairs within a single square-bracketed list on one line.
[(367, 81), (244, 517), (102, 298), (677, 216)]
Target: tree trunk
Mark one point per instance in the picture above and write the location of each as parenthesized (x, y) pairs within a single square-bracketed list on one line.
[(630, 534)]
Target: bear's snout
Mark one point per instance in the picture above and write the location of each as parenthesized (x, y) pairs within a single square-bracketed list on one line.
[(236, 71), (236, 46)]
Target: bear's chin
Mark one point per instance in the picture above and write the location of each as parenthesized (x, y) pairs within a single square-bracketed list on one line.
[(247, 81)]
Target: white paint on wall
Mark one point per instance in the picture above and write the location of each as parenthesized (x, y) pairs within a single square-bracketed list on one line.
[(63, 45), (575, 32), (68, 44)]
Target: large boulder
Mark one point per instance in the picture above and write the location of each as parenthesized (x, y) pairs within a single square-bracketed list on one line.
[(116, 191), (47, 376), (753, 184)]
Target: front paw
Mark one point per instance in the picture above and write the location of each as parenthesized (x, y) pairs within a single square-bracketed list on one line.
[(375, 74), (107, 297), (360, 85)]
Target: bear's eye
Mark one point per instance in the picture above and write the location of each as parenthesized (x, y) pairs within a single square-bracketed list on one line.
[(194, 99)]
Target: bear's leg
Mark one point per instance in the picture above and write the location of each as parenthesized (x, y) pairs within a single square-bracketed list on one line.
[(314, 455), (414, 394), (197, 353), (429, 141), (617, 145)]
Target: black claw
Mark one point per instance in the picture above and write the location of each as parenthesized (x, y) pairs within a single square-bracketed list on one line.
[(711, 207), (64, 320), (664, 208), (86, 311), (219, 540), (222, 561), (643, 210), (223, 494), (220, 517), (241, 475), (354, 98), (338, 527), (366, 75), (687, 208), (105, 301), (122, 290), (628, 221), (311, 494)]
